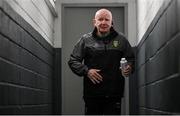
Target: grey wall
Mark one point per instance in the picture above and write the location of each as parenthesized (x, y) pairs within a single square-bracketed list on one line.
[(38, 14), (57, 89), (133, 90), (158, 63), (26, 66)]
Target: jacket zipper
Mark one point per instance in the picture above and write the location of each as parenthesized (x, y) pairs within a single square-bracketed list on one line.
[(105, 47)]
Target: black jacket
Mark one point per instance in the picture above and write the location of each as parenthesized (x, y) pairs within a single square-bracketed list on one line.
[(93, 52)]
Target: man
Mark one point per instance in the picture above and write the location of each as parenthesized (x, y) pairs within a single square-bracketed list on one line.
[(97, 57)]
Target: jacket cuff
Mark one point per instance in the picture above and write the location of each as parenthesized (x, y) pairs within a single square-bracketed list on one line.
[(86, 71)]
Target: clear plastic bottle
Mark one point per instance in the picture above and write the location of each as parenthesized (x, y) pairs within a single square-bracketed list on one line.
[(123, 63)]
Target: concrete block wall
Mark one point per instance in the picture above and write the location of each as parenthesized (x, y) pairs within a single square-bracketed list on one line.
[(57, 89), (37, 14), (158, 63), (26, 66), (146, 11)]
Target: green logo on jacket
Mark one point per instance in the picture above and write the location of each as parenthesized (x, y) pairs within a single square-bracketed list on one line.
[(115, 44)]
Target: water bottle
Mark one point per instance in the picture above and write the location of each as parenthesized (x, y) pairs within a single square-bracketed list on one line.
[(123, 63)]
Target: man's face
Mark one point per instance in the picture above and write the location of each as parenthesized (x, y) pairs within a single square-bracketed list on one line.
[(103, 21)]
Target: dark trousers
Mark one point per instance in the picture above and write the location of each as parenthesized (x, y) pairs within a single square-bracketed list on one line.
[(103, 106)]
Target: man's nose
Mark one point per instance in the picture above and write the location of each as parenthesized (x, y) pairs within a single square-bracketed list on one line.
[(103, 21)]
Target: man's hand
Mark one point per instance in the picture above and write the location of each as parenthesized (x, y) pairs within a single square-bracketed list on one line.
[(126, 72), (94, 76)]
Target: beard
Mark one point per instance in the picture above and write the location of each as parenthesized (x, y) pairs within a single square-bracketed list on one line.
[(103, 33)]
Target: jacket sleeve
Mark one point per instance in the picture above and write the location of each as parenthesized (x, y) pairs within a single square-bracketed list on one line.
[(76, 59)]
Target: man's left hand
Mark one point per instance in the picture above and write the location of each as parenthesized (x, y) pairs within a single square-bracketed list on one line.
[(126, 72)]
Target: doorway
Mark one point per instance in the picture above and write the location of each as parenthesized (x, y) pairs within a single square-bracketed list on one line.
[(76, 21)]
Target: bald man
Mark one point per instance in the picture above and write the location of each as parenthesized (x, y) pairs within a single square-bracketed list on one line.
[(96, 57)]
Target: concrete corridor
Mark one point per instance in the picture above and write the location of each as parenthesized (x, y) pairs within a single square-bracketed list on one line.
[(33, 74)]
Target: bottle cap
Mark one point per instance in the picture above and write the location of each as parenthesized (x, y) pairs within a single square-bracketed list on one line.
[(123, 58)]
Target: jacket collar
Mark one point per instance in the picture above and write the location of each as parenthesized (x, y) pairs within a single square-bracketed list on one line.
[(109, 37)]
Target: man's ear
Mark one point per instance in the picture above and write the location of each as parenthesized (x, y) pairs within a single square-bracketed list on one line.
[(94, 22), (112, 23)]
